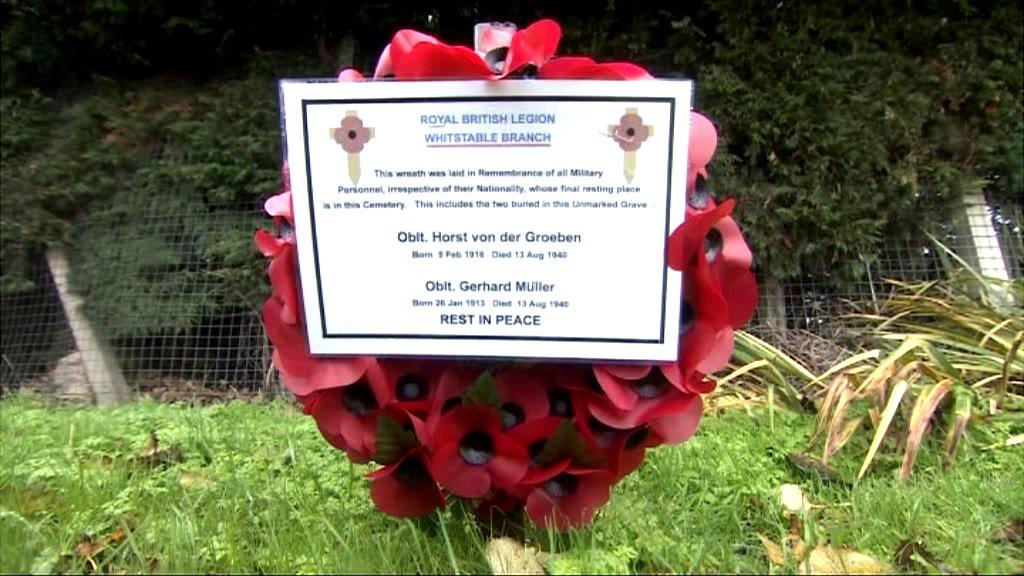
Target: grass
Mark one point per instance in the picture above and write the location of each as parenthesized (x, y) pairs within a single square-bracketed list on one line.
[(257, 490)]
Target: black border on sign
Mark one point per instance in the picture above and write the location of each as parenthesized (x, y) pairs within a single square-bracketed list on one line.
[(312, 217)]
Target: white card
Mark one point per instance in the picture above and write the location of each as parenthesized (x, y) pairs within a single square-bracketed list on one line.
[(514, 219)]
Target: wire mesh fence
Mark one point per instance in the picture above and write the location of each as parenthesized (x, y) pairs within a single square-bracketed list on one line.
[(172, 320)]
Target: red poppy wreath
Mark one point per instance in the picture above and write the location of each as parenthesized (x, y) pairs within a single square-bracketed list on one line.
[(554, 438)]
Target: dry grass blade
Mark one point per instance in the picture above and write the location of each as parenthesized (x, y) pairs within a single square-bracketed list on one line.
[(895, 398), (750, 366), (925, 406), (835, 443), (851, 361), (835, 389), (835, 424), (1004, 384), (961, 416)]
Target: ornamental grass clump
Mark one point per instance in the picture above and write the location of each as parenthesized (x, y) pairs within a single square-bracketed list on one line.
[(945, 355)]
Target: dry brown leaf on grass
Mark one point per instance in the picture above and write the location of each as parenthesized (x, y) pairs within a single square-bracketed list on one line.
[(792, 548), (822, 559), (507, 556), (828, 560)]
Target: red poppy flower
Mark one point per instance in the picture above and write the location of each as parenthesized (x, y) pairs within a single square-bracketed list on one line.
[(412, 55), (471, 453), (496, 502), (729, 261), (533, 437), (580, 68), (621, 382), (405, 487), (451, 385), (523, 397), (657, 398), (628, 454), (706, 337), (569, 499), (410, 385), (688, 238), (350, 412)]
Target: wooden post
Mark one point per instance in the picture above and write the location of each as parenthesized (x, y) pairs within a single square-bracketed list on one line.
[(101, 368)]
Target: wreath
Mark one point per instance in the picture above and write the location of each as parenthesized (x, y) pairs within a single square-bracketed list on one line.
[(554, 437)]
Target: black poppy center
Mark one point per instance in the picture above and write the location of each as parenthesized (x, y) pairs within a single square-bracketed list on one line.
[(603, 434), (686, 317), (561, 486), (630, 132), (495, 59), (511, 415), (411, 387), (412, 472), (650, 386), (561, 404), (713, 243), (637, 438), (701, 194), (359, 399), (351, 134), (535, 449), (476, 448), (451, 403)]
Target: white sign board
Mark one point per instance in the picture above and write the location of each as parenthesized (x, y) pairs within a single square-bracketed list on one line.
[(516, 219)]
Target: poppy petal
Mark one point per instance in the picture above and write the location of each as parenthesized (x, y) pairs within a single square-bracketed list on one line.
[(739, 286), (268, 244), (384, 65), (703, 140), (453, 474), (283, 279), (350, 75), (426, 61), (280, 205), (680, 427), (532, 45), (414, 498), (593, 491), (540, 508), (627, 371), (525, 391), (689, 236), (289, 341), (619, 392), (509, 463)]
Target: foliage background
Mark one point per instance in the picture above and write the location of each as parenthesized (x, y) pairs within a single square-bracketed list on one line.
[(144, 135)]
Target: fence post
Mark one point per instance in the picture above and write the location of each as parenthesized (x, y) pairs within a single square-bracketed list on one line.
[(101, 368), (984, 241)]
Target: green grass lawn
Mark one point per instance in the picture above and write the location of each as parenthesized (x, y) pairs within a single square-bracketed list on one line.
[(257, 490)]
